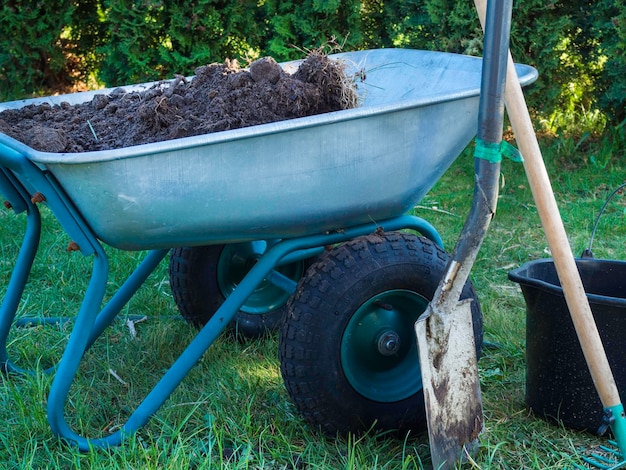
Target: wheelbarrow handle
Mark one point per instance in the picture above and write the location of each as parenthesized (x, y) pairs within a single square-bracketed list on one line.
[(558, 242)]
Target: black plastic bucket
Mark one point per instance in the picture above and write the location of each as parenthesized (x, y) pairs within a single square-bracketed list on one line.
[(558, 383)]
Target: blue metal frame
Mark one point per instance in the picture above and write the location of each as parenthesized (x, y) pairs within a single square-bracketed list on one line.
[(24, 262), (16, 173)]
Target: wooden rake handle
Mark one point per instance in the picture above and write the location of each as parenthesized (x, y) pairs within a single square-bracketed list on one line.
[(567, 270)]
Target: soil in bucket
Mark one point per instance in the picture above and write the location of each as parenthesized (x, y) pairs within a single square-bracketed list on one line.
[(558, 383), (220, 97)]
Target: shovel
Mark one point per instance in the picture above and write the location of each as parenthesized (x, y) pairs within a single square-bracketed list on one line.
[(444, 332), (564, 262)]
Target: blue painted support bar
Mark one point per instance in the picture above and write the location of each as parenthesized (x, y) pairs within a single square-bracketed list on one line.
[(21, 199), (203, 340), (10, 192), (424, 228), (125, 293), (55, 197), (110, 311), (281, 281), (301, 255), (78, 343), (17, 283)]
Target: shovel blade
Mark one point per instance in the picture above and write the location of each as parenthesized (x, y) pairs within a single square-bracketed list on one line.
[(448, 362)]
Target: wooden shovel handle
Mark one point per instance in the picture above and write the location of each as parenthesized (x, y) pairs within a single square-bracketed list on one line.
[(567, 270)]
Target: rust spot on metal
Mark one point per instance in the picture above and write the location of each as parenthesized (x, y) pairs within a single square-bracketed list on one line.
[(37, 198), (441, 391), (7, 204), (438, 338), (72, 246), (478, 426), (438, 355)]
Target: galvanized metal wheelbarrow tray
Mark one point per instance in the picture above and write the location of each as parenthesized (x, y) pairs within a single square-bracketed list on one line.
[(308, 183)]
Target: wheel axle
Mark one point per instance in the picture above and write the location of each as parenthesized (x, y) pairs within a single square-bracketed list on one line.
[(389, 343)]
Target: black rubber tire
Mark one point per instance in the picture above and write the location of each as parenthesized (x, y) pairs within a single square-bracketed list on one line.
[(333, 289), (193, 275)]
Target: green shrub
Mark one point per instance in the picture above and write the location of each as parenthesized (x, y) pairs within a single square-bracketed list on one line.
[(294, 27), (152, 39), (609, 27), (42, 49), (541, 33), (578, 47)]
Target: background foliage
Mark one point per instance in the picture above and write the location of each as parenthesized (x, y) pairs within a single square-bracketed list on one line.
[(45, 45), (577, 46)]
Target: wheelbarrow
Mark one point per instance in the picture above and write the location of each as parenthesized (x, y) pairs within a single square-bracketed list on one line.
[(335, 188)]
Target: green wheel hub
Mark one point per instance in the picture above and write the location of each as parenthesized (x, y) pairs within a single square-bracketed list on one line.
[(379, 353), (235, 262)]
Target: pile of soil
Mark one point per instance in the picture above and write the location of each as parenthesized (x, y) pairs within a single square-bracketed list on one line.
[(218, 98)]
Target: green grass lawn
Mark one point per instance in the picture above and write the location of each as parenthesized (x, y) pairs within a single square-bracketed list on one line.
[(232, 410)]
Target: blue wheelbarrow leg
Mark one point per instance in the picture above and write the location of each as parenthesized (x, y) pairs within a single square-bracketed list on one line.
[(78, 343), (23, 264), (86, 321), (125, 293), (89, 324), (14, 197), (19, 200)]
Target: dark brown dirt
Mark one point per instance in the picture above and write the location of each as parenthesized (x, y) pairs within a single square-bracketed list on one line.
[(218, 98)]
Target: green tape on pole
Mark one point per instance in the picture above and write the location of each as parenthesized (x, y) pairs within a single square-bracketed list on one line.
[(511, 152), (618, 426), (493, 152)]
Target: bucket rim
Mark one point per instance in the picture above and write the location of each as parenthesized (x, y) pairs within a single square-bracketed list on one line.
[(519, 276)]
